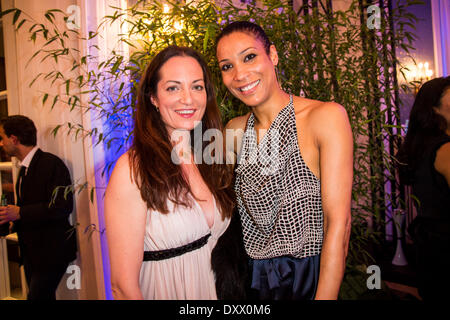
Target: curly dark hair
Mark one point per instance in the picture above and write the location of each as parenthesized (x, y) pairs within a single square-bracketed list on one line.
[(21, 127)]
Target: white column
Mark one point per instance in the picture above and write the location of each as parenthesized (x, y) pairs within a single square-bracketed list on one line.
[(83, 160), (441, 38)]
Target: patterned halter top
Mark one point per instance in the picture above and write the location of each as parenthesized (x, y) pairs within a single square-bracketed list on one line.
[(278, 196)]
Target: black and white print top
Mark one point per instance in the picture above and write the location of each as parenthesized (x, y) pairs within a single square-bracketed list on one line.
[(278, 196)]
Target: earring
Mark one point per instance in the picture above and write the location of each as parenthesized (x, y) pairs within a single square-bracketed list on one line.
[(153, 103)]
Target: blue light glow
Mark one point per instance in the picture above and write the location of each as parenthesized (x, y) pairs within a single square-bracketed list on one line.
[(117, 124)]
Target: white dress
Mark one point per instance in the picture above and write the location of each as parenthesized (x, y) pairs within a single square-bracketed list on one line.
[(188, 276)]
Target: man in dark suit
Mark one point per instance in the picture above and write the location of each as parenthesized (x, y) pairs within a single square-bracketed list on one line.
[(47, 240)]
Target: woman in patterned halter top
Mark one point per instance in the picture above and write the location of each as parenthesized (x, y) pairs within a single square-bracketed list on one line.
[(294, 169)]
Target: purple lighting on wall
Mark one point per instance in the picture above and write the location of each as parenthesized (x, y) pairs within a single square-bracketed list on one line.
[(445, 25)]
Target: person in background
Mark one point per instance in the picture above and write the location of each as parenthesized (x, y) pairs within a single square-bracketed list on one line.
[(293, 175), (164, 211), (7, 195), (7, 183), (424, 160), (47, 241)]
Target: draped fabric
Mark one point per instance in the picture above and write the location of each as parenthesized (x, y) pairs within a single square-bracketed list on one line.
[(441, 35), (190, 275), (278, 196), (285, 278)]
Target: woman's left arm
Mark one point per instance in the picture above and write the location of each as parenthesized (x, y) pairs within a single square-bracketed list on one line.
[(442, 161), (335, 142)]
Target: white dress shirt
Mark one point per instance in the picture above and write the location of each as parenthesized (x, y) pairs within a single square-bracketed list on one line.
[(27, 160)]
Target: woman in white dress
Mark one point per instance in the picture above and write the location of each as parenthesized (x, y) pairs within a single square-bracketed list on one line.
[(164, 208)]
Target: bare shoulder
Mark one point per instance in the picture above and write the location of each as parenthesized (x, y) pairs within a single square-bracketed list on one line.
[(121, 174), (442, 161), (320, 114), (327, 122), (124, 159), (238, 122), (444, 149), (123, 163), (122, 188), (326, 112)]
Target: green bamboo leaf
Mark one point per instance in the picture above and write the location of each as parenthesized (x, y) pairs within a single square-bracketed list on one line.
[(67, 190), (16, 15), (34, 80), (44, 99), (49, 16), (50, 41), (55, 130), (116, 64), (128, 43), (8, 11), (33, 37), (21, 23), (55, 100), (92, 35), (75, 100), (205, 40)]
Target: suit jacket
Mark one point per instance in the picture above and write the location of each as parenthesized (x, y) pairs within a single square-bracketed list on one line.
[(45, 236)]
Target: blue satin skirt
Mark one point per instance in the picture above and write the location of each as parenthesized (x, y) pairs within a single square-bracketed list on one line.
[(285, 278)]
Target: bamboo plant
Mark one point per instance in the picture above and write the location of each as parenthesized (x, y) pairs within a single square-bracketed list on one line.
[(323, 54)]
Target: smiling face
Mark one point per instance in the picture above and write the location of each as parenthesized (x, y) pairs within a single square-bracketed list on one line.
[(180, 95), (247, 70)]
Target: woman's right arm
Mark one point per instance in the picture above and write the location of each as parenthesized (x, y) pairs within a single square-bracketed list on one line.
[(125, 218)]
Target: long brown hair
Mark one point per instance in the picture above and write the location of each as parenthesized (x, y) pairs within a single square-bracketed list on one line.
[(156, 176)]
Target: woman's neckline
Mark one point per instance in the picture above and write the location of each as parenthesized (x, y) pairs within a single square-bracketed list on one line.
[(272, 124), (266, 113)]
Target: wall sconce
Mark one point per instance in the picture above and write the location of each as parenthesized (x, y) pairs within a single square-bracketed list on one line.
[(419, 74)]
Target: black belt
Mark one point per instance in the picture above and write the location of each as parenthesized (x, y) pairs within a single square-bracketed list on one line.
[(174, 252)]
